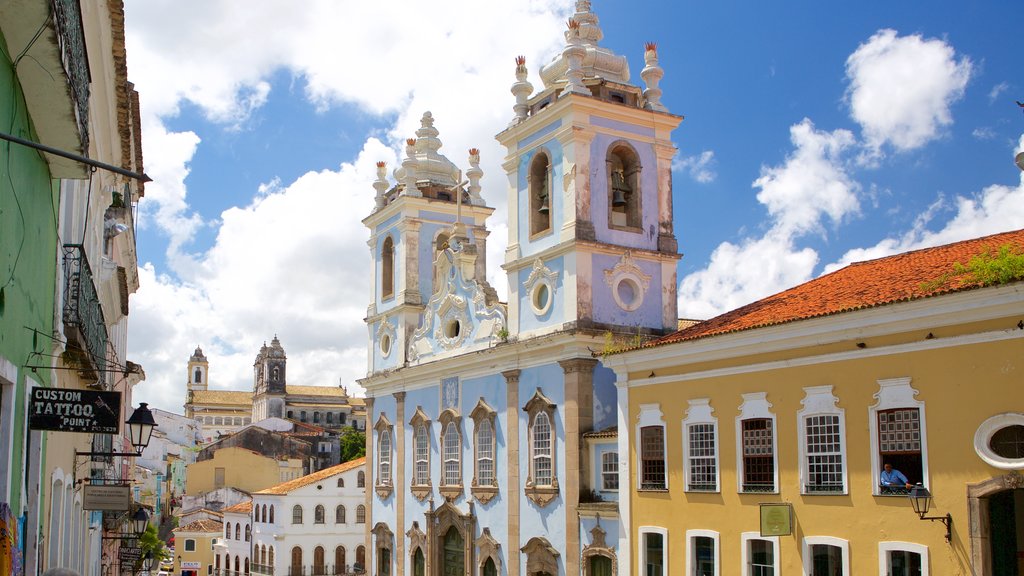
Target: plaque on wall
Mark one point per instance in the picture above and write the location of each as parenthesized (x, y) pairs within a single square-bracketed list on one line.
[(776, 519)]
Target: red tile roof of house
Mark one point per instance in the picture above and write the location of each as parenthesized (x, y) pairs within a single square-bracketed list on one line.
[(201, 526), (899, 278), (308, 479), (240, 508)]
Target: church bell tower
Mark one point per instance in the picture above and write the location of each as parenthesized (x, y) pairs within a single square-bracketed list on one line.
[(589, 166)]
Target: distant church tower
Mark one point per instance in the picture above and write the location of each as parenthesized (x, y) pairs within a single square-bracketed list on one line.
[(591, 242), (198, 377), (411, 227), (269, 382)]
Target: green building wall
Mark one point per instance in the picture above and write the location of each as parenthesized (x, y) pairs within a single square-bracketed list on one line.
[(29, 201)]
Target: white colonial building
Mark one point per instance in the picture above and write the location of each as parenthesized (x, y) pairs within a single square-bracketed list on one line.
[(233, 549), (312, 525)]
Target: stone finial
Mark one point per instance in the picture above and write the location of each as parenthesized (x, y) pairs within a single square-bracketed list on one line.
[(573, 54), (474, 174), (409, 167), (521, 90), (381, 184), (651, 75), (426, 136)]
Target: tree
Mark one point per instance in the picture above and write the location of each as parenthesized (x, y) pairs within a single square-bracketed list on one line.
[(353, 444), (152, 545)]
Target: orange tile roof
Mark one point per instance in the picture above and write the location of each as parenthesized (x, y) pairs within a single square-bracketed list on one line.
[(240, 508), (308, 479), (900, 278), (201, 526)]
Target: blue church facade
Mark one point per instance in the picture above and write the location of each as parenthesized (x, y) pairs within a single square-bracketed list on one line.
[(491, 436)]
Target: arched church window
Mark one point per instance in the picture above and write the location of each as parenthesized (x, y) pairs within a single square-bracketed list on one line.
[(454, 559), (276, 373), (199, 376), (539, 186), (623, 166), (361, 479), (387, 267)]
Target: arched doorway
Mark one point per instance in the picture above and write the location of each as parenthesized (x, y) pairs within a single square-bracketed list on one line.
[(339, 560), (318, 561), (419, 563), (296, 567), (360, 559), (996, 513), (453, 554)]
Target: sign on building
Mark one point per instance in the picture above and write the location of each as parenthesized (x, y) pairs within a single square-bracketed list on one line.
[(105, 497), (62, 410)]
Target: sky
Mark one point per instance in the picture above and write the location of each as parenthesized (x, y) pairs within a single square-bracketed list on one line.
[(814, 135)]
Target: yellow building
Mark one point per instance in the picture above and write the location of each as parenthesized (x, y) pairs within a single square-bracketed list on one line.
[(241, 469), (193, 547), (802, 398)]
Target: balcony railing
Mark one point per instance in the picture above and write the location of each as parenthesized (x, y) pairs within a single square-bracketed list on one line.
[(67, 19), (83, 314), (321, 570), (262, 569)]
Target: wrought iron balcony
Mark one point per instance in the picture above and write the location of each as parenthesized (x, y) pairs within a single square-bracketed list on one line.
[(67, 19), (83, 315), (262, 569)]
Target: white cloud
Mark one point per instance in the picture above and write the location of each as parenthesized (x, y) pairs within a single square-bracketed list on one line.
[(810, 187), (997, 208), (997, 91), (983, 133), (901, 89), (699, 167), (294, 262)]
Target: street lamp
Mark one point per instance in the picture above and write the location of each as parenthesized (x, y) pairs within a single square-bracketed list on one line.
[(140, 427), (921, 500), (147, 562), (139, 521)]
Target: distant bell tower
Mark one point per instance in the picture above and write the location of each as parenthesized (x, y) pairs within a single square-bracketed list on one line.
[(198, 378), (269, 381), (589, 165), (413, 222)]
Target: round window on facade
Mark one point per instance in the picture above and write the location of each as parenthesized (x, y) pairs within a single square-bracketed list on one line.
[(540, 298), (385, 344), (999, 441), (627, 293)]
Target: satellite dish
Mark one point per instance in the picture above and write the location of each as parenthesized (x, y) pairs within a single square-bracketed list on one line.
[(1019, 160)]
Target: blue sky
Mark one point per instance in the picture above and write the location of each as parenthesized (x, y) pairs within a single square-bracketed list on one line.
[(815, 134)]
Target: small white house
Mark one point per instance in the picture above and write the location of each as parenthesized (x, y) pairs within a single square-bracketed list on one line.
[(312, 526), (233, 547)]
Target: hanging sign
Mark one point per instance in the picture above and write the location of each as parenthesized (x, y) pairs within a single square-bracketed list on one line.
[(106, 497), (62, 410)]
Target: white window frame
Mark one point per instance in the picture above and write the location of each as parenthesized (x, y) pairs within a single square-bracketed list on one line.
[(650, 415), (896, 546), (746, 538), (485, 451), (843, 545), (983, 437), (755, 407), (547, 454), (384, 457), (894, 393), (690, 548), (602, 473), (642, 555), (700, 412), (820, 401), (451, 453), (421, 435)]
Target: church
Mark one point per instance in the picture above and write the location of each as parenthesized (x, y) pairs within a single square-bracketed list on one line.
[(223, 412), (493, 428)]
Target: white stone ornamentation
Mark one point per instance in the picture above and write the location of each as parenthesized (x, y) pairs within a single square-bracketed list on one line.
[(629, 283), (540, 286), (385, 336)]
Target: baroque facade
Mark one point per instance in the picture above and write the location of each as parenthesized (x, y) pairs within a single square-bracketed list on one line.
[(491, 427), (797, 402), (223, 412)]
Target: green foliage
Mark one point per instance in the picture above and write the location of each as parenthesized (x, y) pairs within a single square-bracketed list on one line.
[(614, 344), (151, 544), (1007, 265), (353, 444)]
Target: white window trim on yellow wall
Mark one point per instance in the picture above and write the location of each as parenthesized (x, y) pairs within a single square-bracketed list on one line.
[(642, 552), (885, 547), (983, 439), (745, 539), (756, 405), (690, 535), (819, 400), (650, 415), (895, 393), (843, 545), (699, 412)]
